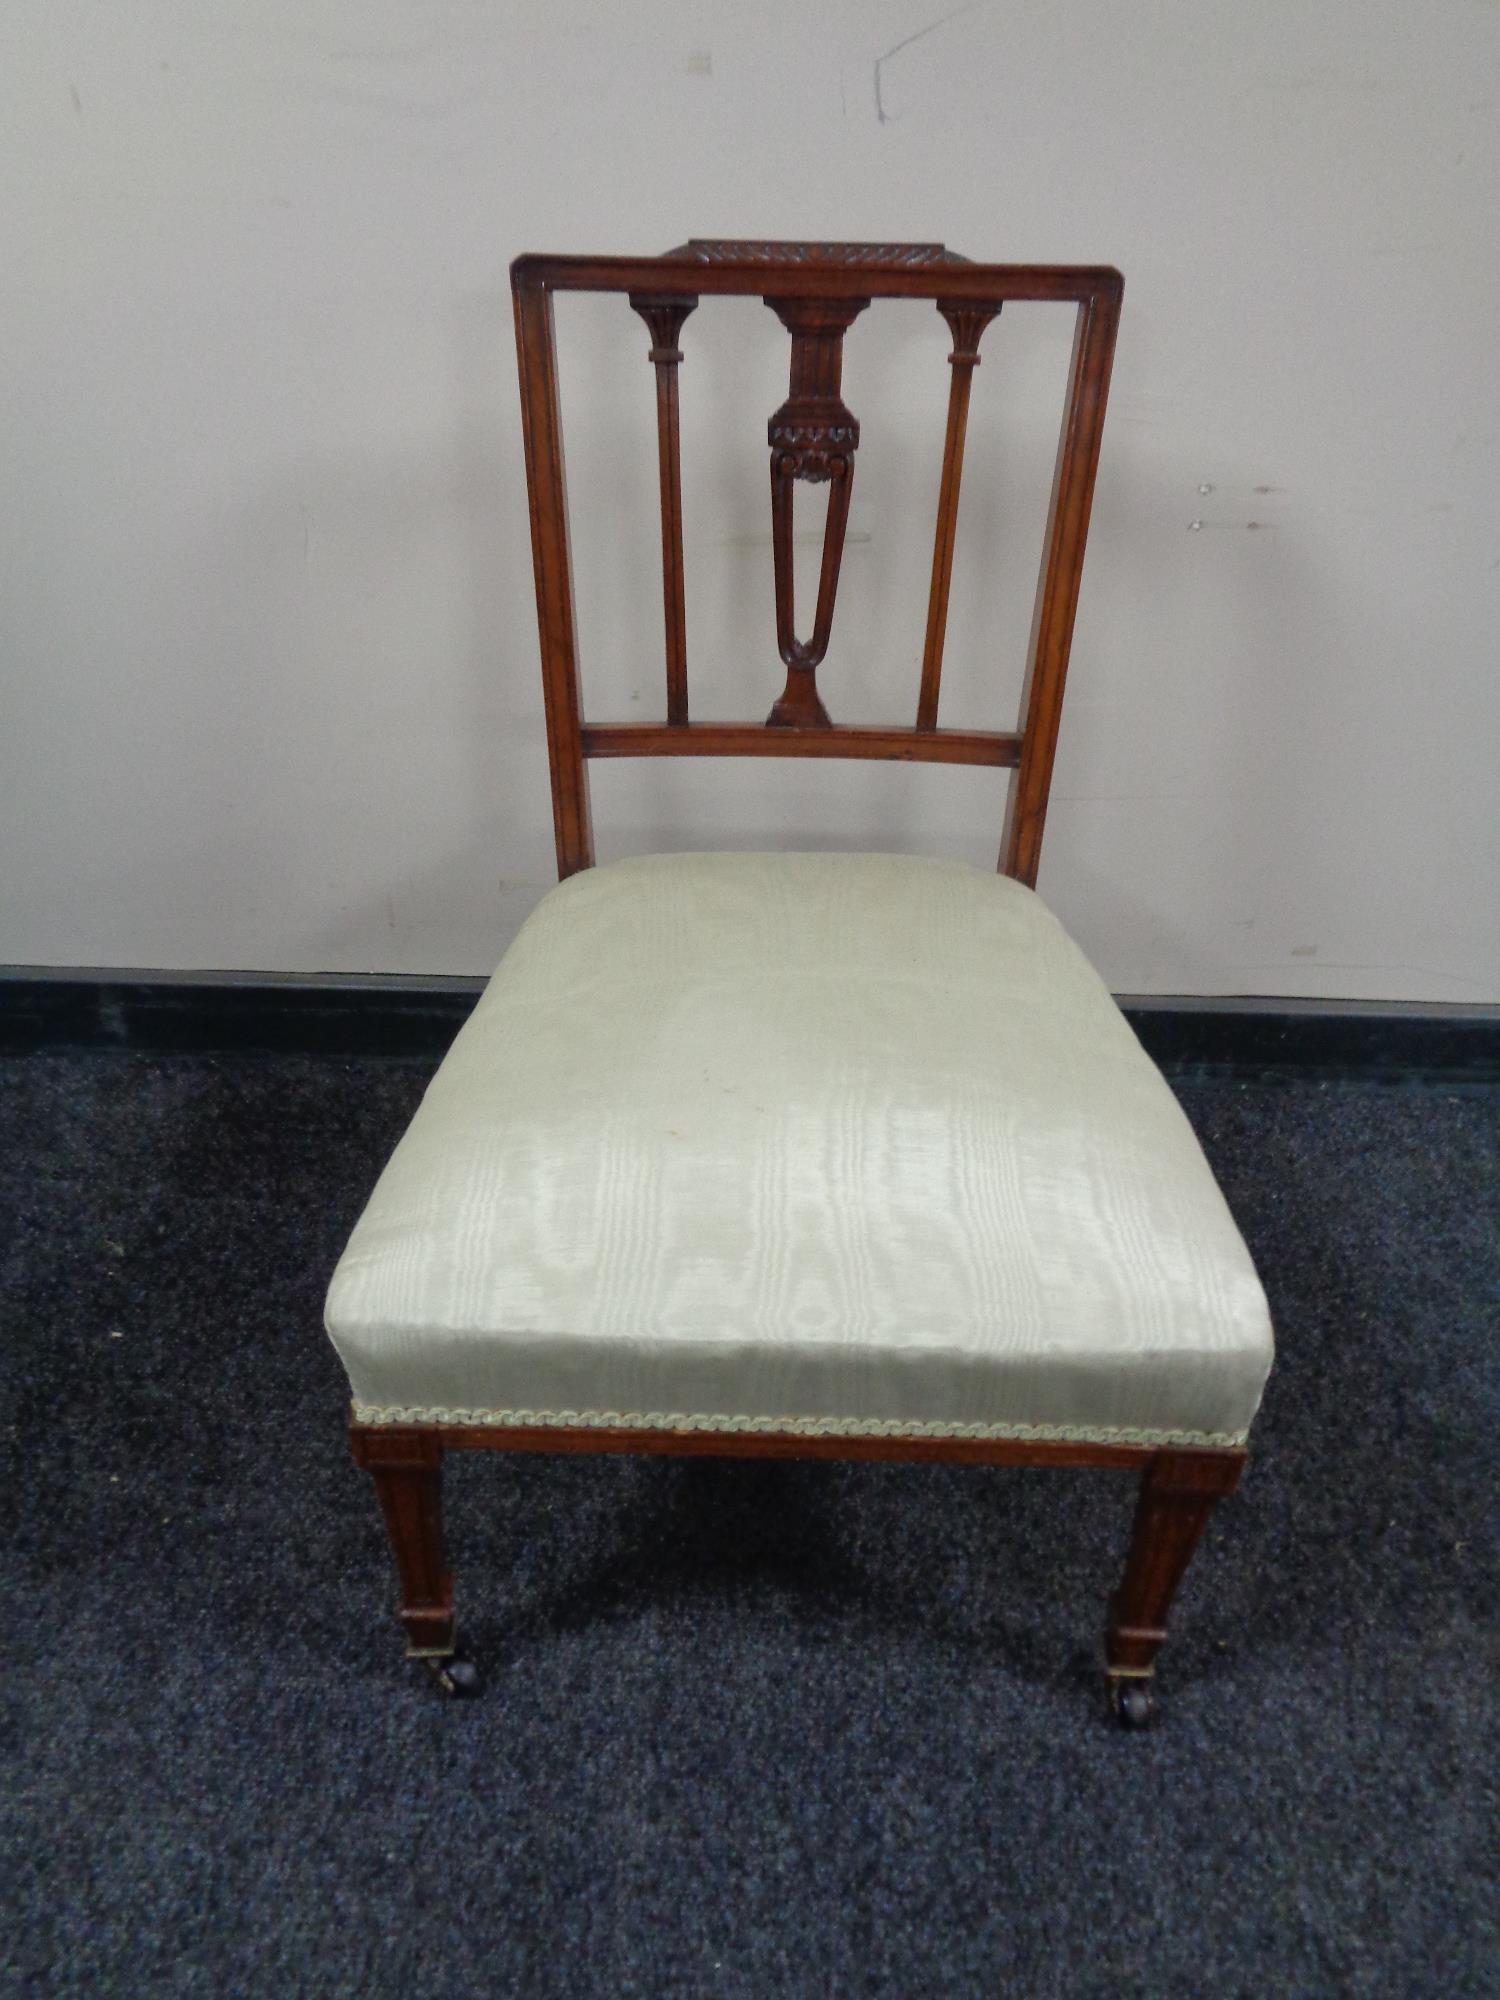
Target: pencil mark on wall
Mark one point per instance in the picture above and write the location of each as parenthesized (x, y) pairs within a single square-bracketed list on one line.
[(1481, 990), (882, 116), (77, 100), (1207, 486), (403, 52), (1364, 81)]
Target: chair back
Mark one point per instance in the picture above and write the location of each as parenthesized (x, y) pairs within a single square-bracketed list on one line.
[(816, 290)]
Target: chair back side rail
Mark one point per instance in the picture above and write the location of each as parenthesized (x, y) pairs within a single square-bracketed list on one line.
[(1056, 604), (546, 487)]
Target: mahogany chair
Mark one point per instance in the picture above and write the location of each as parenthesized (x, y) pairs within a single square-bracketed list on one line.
[(804, 1155)]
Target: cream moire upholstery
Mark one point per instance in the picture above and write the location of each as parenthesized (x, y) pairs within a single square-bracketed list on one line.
[(830, 1143)]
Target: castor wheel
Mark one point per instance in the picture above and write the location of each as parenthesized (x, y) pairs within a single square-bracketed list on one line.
[(1132, 1702), (455, 1676)]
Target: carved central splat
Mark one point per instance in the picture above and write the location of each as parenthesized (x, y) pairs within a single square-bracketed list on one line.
[(813, 436)]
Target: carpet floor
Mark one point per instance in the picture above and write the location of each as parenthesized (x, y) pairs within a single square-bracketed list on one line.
[(749, 1729)]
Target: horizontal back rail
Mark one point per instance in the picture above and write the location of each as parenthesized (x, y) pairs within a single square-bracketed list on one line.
[(817, 290), (754, 739)]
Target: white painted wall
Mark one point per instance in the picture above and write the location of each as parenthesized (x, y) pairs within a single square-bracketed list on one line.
[(269, 671)]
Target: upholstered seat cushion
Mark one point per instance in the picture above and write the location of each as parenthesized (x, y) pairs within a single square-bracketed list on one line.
[(821, 1142)]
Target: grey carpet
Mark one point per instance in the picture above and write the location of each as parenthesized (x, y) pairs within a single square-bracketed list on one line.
[(750, 1729)]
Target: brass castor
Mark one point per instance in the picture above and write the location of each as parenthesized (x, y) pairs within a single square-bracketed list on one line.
[(456, 1676), (1132, 1701)]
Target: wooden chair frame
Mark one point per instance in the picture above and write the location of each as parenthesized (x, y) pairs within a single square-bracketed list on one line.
[(816, 290)]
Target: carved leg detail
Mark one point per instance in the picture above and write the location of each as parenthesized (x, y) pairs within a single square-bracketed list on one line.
[(1178, 1491), (407, 1468)]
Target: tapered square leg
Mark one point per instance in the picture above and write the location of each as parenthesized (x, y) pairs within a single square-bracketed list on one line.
[(407, 1468), (1178, 1491)]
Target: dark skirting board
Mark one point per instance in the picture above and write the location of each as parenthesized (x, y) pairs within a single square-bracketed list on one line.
[(347, 1016)]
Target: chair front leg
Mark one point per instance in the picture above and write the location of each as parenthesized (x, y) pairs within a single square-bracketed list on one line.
[(407, 1468), (1178, 1491)]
